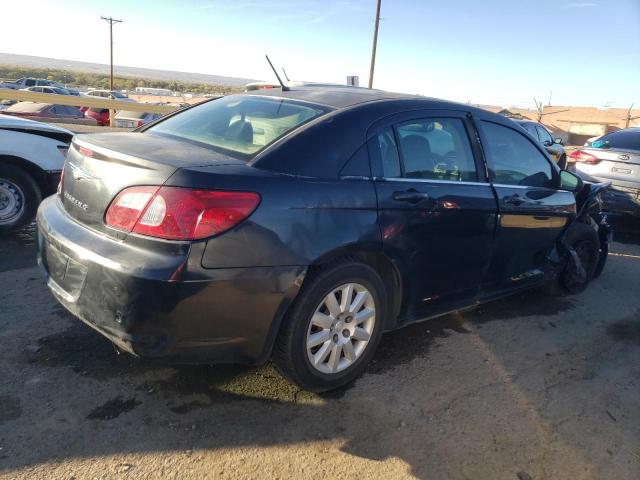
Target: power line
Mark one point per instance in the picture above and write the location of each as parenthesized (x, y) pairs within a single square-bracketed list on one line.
[(111, 21)]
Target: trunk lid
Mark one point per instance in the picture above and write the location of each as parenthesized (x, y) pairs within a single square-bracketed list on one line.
[(99, 166), (621, 167)]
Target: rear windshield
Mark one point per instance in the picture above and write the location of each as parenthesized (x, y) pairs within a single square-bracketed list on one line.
[(624, 139), (240, 125)]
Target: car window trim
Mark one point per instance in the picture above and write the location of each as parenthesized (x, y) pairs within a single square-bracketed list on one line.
[(425, 180)]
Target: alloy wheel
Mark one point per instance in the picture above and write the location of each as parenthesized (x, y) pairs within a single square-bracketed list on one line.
[(340, 328)]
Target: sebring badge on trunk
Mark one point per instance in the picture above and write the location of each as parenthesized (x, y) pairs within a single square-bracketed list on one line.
[(75, 201)]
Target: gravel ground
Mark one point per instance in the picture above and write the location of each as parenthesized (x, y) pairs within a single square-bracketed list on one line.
[(530, 387)]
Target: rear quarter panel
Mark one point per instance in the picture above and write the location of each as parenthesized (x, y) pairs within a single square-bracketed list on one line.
[(298, 220), (40, 151)]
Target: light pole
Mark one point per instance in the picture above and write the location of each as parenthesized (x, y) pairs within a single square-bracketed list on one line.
[(375, 43), (111, 21)]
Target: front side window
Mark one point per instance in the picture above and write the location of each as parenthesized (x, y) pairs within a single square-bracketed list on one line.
[(544, 135), (241, 125), (436, 149), (513, 159)]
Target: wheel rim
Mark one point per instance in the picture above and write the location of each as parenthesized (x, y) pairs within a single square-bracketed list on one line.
[(341, 328), (11, 201)]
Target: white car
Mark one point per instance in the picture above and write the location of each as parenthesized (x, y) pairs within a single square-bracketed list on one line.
[(112, 94), (31, 159)]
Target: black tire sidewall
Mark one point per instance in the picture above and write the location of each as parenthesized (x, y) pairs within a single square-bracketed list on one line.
[(31, 191), (579, 233), (310, 298)]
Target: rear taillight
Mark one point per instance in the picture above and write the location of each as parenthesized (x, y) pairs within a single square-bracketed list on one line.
[(140, 123), (582, 157), (176, 213)]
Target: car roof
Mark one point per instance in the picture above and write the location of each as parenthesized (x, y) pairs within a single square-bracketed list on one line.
[(11, 122), (28, 106), (335, 96)]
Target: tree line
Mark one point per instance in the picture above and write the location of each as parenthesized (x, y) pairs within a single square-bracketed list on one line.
[(101, 81)]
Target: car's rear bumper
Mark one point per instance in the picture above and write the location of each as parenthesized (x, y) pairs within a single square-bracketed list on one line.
[(162, 304)]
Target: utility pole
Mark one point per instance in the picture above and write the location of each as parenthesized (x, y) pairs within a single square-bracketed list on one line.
[(541, 112), (375, 43), (629, 117), (111, 21)]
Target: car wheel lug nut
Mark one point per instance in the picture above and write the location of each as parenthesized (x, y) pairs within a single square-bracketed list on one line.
[(335, 338)]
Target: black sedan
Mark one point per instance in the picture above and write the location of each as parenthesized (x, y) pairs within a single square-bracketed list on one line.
[(553, 146), (300, 224)]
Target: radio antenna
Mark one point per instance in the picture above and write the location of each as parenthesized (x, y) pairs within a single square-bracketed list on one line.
[(284, 87)]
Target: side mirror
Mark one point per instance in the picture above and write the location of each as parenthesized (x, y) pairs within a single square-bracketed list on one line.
[(546, 143), (570, 181), (558, 141)]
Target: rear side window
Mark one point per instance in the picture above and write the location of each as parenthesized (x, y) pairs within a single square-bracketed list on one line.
[(436, 149), (241, 125), (512, 158), (625, 139)]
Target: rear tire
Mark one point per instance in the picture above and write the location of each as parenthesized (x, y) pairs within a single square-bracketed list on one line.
[(325, 344), (584, 240), (19, 198)]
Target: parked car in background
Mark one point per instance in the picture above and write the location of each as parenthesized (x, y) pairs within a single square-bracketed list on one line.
[(554, 147), (43, 110), (129, 119), (614, 157), (56, 90), (303, 223), (4, 104), (113, 94), (100, 115), (30, 82), (31, 158)]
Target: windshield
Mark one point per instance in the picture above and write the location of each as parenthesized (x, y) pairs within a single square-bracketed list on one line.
[(239, 124), (623, 139)]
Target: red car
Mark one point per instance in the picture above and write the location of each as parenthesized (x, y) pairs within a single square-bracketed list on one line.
[(100, 115)]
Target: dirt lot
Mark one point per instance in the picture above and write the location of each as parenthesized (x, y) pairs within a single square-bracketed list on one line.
[(530, 387)]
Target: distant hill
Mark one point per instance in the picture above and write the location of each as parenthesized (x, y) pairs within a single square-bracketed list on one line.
[(71, 65)]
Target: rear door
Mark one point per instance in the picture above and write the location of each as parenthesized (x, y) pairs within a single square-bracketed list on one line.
[(532, 209), (436, 211)]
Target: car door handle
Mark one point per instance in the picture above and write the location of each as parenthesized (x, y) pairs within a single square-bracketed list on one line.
[(514, 200), (411, 196)]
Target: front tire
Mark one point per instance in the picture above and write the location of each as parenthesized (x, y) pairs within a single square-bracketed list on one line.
[(333, 328), (19, 198), (585, 242)]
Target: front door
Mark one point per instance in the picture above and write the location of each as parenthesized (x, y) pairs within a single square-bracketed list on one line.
[(532, 209), (436, 211)]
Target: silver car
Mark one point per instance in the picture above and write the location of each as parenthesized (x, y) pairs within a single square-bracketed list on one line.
[(126, 119), (615, 158)]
